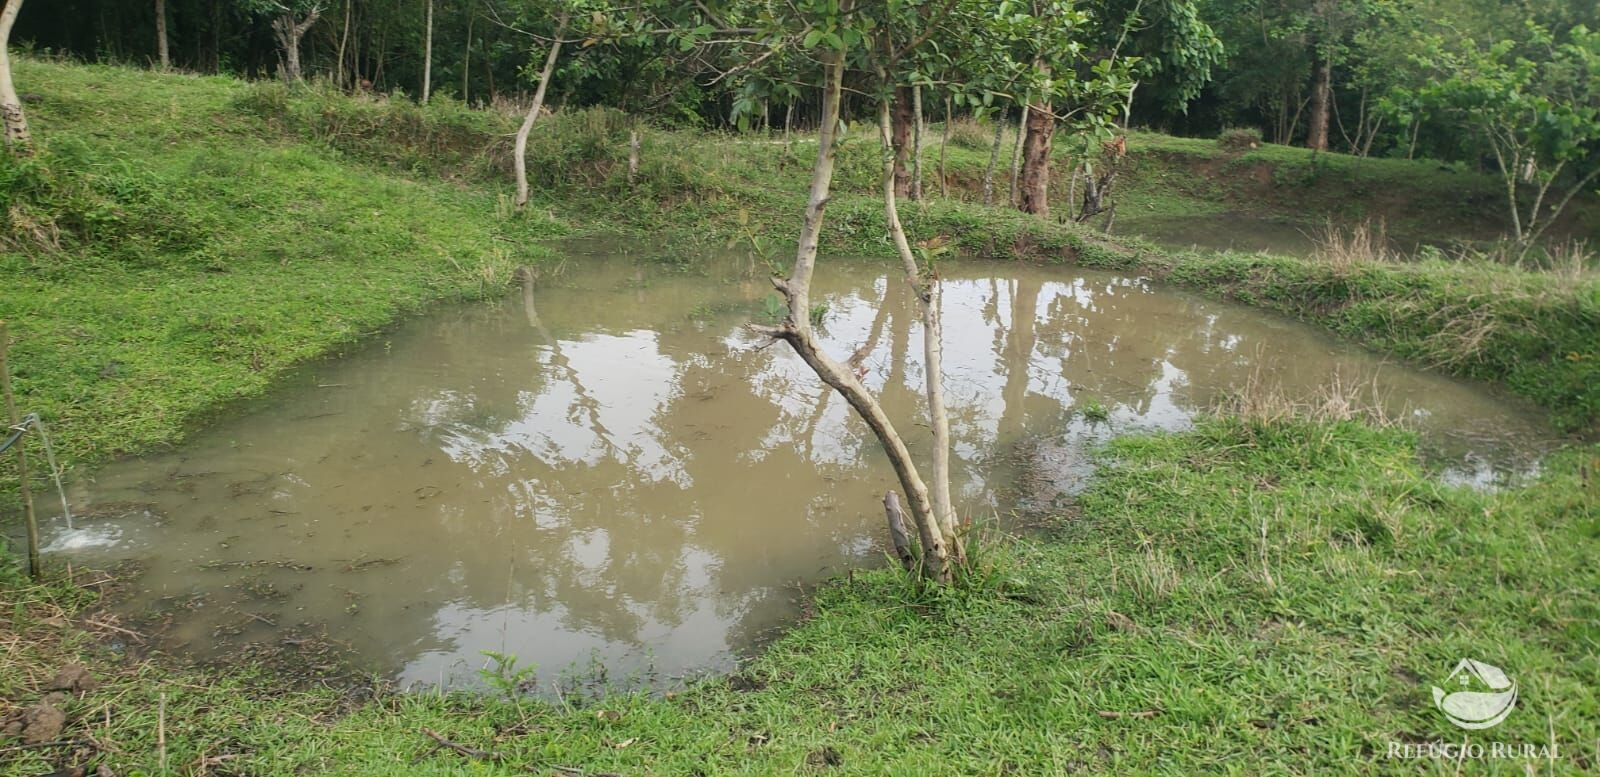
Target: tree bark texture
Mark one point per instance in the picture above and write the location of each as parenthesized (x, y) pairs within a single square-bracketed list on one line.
[(899, 538), (1016, 157), (17, 137), (944, 143), (162, 52), (1321, 94), (917, 132), (902, 140), (427, 57), (994, 158), (1039, 134)]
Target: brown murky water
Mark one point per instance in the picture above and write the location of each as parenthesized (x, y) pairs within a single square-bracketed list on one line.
[(619, 475)]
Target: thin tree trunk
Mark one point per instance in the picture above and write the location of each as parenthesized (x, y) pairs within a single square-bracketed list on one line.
[(901, 140), (994, 158), (944, 143), (633, 155), (520, 151), (466, 57), (1041, 126), (917, 133), (21, 448), (344, 38), (796, 328), (940, 544), (1016, 156), (427, 57), (788, 131), (1321, 94), (1072, 193), (17, 137), (211, 59), (161, 35)]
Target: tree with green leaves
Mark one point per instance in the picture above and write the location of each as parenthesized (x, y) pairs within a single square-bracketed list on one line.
[(1533, 104), (1083, 61)]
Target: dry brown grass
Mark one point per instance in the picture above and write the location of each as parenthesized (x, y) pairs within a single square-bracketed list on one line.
[(1571, 261), (1340, 399), (1346, 247)]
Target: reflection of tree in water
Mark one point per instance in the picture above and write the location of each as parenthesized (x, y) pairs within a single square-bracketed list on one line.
[(622, 516), (605, 468)]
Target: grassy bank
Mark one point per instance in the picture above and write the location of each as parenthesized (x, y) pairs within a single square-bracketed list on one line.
[(1247, 598), (167, 254)]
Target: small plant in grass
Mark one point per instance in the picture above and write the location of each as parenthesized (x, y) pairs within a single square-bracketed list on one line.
[(503, 675)]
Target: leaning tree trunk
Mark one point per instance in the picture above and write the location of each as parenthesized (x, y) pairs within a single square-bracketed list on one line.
[(161, 34), (519, 152), (427, 57), (796, 327), (17, 137), (288, 33), (1321, 95), (1041, 127)]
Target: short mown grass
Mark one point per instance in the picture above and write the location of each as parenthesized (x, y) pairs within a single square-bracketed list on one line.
[(1245, 598)]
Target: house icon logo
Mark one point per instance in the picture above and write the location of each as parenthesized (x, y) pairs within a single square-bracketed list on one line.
[(1479, 695)]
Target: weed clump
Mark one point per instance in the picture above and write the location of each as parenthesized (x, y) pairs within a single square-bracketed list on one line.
[(971, 134), (1239, 139)]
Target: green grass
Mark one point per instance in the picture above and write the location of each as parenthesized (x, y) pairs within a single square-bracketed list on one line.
[(169, 254), (1418, 200), (1269, 598)]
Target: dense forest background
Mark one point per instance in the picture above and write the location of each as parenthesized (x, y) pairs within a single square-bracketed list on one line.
[(1357, 76)]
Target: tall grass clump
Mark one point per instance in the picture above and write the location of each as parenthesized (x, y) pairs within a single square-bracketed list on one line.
[(1345, 247), (1239, 139), (969, 133)]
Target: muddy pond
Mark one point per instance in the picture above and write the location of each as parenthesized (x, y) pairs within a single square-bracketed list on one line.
[(611, 475)]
